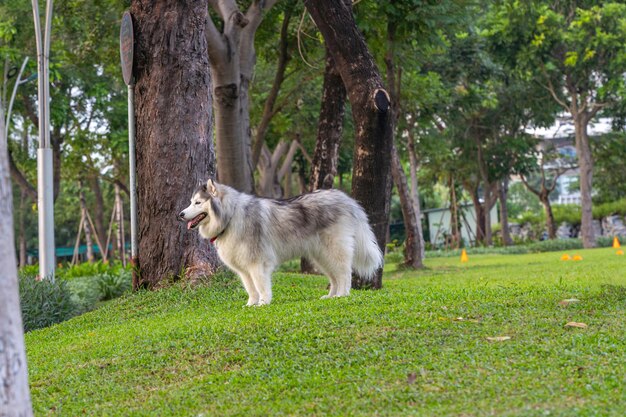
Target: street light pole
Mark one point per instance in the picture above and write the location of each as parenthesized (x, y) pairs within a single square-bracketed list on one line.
[(45, 196)]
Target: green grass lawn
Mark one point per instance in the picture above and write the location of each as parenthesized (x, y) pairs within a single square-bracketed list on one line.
[(418, 347)]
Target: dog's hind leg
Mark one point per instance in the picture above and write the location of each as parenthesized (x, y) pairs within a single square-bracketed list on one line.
[(248, 284), (320, 265), (335, 262), (262, 279)]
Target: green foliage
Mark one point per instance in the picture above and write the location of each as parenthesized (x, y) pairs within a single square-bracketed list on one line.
[(569, 213), (609, 175), (609, 209), (113, 285), (84, 269), (45, 303), (417, 347)]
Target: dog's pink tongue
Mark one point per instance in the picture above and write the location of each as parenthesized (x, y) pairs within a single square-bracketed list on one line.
[(189, 225)]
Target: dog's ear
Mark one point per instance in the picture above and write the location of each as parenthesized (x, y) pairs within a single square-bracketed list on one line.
[(211, 188)]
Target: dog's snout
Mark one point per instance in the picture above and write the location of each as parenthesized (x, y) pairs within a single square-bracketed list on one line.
[(181, 215)]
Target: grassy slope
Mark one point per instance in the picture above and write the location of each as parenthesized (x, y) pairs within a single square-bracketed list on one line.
[(398, 351)]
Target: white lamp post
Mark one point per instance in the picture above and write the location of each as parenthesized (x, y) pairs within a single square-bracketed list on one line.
[(45, 204)]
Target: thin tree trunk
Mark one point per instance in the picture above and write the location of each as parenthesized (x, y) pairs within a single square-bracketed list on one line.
[(454, 214), (22, 229), (14, 392), (503, 190), (119, 219), (87, 225), (174, 136), (329, 128), (415, 199), (98, 208), (371, 175), (270, 102), (412, 255), (585, 165), (550, 225), (479, 213)]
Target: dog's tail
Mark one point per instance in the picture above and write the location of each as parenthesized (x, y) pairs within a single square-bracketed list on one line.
[(367, 255)]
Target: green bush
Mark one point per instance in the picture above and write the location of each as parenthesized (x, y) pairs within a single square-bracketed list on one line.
[(89, 269), (609, 209), (569, 213), (45, 303), (113, 285)]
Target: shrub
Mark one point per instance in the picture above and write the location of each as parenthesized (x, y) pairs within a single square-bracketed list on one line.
[(89, 269), (609, 209), (569, 213), (113, 285), (45, 303)]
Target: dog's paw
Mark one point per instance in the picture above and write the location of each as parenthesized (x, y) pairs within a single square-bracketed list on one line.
[(326, 297)]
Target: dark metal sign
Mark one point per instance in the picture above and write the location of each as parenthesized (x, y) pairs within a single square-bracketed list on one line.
[(127, 47)]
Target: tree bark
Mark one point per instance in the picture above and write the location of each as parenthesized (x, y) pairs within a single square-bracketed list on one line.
[(270, 102), (22, 229), (413, 244), (232, 58), (545, 201), (503, 190), (14, 392), (412, 255), (329, 128), (329, 131), (415, 199), (585, 165), (87, 226), (98, 209), (174, 138), (371, 178), (119, 219), (454, 214)]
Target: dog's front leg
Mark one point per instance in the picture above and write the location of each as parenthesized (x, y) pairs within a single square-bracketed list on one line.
[(262, 280), (253, 294)]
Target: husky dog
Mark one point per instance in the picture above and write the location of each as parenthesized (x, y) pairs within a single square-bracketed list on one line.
[(254, 235)]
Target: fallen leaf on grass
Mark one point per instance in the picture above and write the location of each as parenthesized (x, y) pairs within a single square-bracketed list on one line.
[(568, 302), (411, 377), (498, 338), (464, 319), (575, 324)]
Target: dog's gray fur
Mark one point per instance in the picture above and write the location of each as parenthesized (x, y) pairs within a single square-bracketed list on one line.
[(254, 235)]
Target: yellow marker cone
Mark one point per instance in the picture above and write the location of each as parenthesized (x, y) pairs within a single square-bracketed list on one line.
[(577, 258), (565, 257), (464, 257), (616, 244), (619, 252)]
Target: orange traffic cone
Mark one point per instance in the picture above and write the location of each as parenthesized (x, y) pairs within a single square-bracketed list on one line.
[(464, 257), (616, 244)]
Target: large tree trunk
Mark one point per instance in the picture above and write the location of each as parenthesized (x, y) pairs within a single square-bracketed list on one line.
[(232, 59), (329, 131), (585, 164), (371, 178), (412, 255), (174, 138), (503, 190), (14, 391)]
